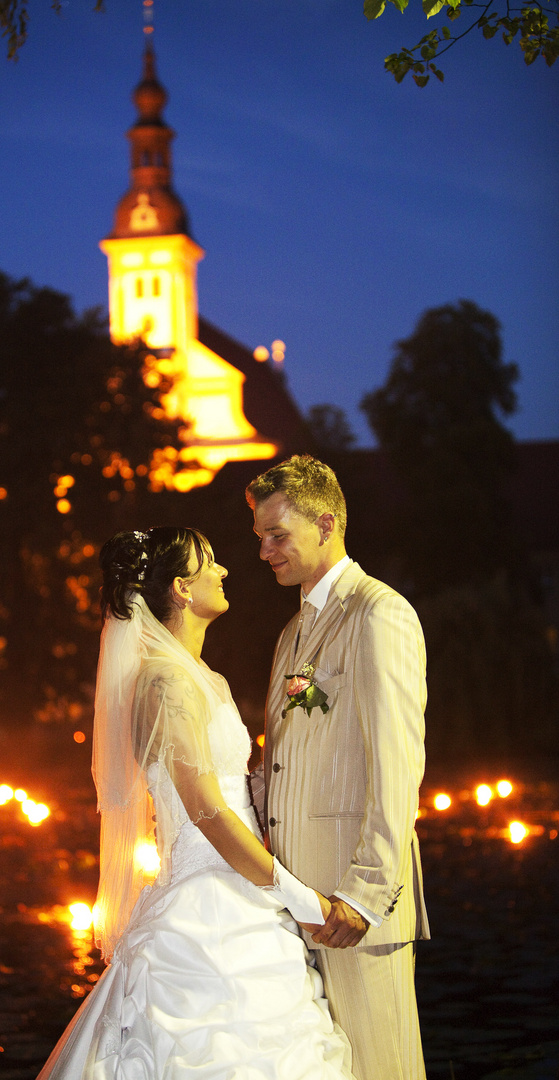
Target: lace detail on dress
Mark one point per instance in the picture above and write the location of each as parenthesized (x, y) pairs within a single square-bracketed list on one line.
[(215, 741), (192, 852)]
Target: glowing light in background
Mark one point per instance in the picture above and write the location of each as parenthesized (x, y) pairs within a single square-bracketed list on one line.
[(278, 351), (63, 483), (35, 812), (79, 736), (260, 740), (504, 788), (82, 916), (483, 794), (147, 859), (261, 354), (442, 801), (517, 832), (66, 481)]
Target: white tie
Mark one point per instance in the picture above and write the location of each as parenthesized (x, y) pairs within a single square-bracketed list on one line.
[(306, 620)]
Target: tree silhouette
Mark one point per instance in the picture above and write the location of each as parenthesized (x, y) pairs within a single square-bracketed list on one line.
[(438, 416), (82, 435), (79, 428), (493, 694), (330, 428)]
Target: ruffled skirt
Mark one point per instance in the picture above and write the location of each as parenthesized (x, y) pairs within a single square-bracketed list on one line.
[(210, 981)]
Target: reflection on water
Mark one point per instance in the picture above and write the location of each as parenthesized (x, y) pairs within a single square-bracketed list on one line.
[(486, 983), (47, 968)]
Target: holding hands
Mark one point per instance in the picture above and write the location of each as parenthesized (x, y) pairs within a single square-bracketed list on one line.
[(344, 927)]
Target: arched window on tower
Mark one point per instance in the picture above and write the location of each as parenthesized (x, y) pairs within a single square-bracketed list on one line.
[(139, 287), (146, 157), (159, 158), (156, 287)]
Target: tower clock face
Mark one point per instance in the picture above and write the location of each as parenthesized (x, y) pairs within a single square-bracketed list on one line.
[(143, 215)]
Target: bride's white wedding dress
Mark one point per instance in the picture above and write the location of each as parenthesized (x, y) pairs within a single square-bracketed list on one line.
[(210, 979)]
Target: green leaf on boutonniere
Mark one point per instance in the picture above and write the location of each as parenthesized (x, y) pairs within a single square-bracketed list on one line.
[(309, 698), (315, 697)]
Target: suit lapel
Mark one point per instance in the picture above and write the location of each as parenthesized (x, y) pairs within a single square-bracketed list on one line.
[(333, 611), (329, 617)]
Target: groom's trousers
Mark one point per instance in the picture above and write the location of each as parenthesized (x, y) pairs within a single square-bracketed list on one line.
[(371, 992)]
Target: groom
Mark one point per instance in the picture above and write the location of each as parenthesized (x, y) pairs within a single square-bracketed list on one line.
[(342, 785)]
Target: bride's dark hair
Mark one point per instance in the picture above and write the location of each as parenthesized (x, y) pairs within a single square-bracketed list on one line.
[(148, 562)]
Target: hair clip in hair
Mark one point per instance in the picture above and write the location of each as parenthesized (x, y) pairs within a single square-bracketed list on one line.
[(142, 571)]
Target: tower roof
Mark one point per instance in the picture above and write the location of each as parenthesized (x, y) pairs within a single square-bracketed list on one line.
[(149, 97), (150, 207)]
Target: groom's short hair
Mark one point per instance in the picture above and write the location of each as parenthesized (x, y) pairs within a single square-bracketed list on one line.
[(311, 487)]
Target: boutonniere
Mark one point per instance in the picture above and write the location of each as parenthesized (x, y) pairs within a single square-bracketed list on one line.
[(304, 692)]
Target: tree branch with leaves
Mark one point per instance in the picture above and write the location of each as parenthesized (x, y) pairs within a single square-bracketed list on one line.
[(535, 26), (14, 21)]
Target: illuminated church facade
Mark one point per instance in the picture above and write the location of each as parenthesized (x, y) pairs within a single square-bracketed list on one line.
[(152, 264)]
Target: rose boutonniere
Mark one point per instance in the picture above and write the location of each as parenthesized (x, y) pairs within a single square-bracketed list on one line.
[(304, 692)]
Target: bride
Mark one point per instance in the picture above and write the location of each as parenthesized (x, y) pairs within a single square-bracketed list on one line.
[(208, 977)]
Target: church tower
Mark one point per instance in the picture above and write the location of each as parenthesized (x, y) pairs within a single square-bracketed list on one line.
[(153, 295)]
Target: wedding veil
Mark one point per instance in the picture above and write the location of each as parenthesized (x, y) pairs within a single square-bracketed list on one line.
[(153, 705)]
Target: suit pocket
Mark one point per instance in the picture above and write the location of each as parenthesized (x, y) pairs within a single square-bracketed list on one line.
[(328, 681), (337, 814)]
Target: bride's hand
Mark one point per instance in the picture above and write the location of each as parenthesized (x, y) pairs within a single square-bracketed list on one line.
[(325, 905)]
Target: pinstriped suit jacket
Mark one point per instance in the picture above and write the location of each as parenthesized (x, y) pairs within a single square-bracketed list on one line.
[(342, 788)]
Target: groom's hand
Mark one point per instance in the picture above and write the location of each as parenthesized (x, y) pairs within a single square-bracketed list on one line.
[(343, 928)]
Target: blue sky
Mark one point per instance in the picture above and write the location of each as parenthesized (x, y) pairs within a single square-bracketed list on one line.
[(334, 205)]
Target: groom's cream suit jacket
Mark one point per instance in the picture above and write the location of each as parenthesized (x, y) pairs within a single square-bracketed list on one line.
[(342, 788)]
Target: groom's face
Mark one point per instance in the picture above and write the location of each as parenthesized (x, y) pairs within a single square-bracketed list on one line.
[(293, 545)]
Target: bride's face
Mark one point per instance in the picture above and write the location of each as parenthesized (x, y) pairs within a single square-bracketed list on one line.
[(208, 597)]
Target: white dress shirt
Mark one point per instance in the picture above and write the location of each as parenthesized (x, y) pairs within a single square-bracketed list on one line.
[(319, 592)]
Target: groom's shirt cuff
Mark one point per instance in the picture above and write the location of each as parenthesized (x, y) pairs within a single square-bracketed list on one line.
[(369, 916)]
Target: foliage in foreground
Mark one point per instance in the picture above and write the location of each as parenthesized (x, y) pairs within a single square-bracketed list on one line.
[(535, 28)]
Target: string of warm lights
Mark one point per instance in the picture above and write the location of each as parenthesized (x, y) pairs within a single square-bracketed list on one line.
[(483, 812), (261, 353), (440, 802), (33, 811), (482, 796)]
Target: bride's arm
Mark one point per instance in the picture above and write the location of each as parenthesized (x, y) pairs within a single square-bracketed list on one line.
[(204, 803), (172, 715)]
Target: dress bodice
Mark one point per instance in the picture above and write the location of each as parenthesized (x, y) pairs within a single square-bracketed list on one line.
[(230, 749)]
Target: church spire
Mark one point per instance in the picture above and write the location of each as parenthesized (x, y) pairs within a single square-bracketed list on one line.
[(152, 294), (150, 207)]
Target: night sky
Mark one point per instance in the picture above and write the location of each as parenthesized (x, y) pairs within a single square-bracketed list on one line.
[(334, 205)]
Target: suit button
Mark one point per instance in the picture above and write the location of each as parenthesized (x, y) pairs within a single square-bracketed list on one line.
[(272, 821), (276, 766)]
